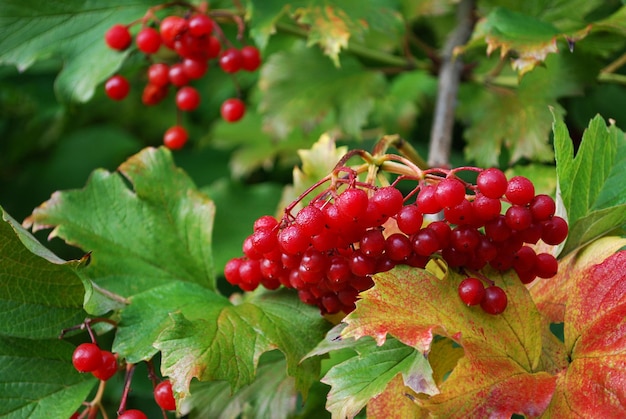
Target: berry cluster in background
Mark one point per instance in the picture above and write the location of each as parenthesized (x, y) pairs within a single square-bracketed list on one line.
[(190, 41), (89, 358), (329, 250)]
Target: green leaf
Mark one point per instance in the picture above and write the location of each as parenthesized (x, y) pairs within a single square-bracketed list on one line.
[(226, 343), (149, 314), (38, 379), (355, 381), (215, 400), (40, 293), (143, 237), (590, 191), (300, 89), (72, 32)]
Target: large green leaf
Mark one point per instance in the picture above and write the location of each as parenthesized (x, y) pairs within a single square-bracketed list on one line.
[(71, 31), (227, 341), (38, 379), (591, 192), (300, 89), (40, 293), (143, 237)]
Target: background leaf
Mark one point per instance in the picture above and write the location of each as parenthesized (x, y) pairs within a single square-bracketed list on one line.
[(39, 380), (72, 32), (583, 179), (40, 293), (141, 238)]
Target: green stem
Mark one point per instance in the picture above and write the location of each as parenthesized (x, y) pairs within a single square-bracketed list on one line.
[(612, 78)]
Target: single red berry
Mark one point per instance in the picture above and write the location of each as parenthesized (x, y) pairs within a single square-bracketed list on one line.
[(426, 202), (352, 203), (164, 396), (450, 192), (231, 271), (153, 94), (171, 27), (187, 98), (213, 46), (175, 137), (118, 37), (87, 357), (200, 25), (492, 183), (471, 291), (148, 40), (520, 190), (388, 199), (178, 76), (251, 58), (547, 266), (132, 414), (117, 87), (554, 231), (231, 60), (158, 74), (108, 367), (409, 219), (494, 300), (542, 207), (233, 110), (195, 69)]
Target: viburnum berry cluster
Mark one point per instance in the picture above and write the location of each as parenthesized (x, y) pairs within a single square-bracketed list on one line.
[(180, 48), (88, 357), (329, 250)]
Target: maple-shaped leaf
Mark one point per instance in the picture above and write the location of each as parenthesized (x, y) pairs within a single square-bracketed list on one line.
[(595, 337), (226, 342), (302, 90), (550, 295), (591, 181), (156, 232), (413, 306)]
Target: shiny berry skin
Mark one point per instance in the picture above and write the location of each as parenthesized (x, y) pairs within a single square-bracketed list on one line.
[(200, 25), (175, 137), (450, 192), (108, 367), (159, 74), (148, 40), (492, 183), (233, 110), (164, 396), (87, 357), (153, 94), (471, 291), (117, 87), (178, 76), (118, 37), (554, 231), (132, 414), (231, 60), (171, 27), (251, 58), (494, 300), (520, 190), (194, 69), (187, 99)]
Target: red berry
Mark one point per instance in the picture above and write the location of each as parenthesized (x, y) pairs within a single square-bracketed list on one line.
[(231, 271), (518, 217), (148, 40), (352, 203), (153, 94), (494, 301), (158, 74), (554, 231), (471, 291), (164, 396), (178, 76), (212, 47), (132, 414), (231, 60), (492, 183), (171, 27), (520, 190), (251, 58), (450, 192), (175, 137), (117, 87), (187, 98), (87, 357), (547, 266), (426, 201), (409, 219), (233, 110), (389, 200), (118, 37), (194, 69), (108, 367), (542, 207), (200, 25)]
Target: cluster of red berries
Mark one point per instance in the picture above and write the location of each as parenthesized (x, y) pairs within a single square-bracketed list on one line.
[(193, 40), (331, 248), (89, 358)]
